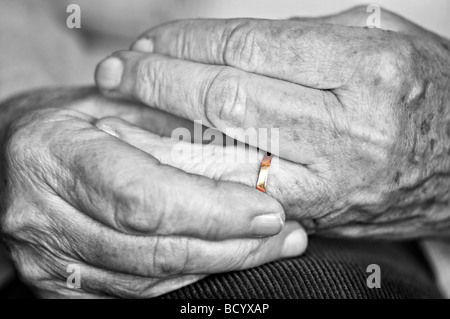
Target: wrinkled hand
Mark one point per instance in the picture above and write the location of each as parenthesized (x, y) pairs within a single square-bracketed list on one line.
[(364, 114), (76, 195)]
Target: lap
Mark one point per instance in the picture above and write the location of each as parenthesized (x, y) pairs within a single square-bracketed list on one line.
[(330, 269)]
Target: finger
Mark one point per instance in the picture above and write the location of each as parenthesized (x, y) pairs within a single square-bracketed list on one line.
[(129, 190), (104, 282), (229, 163), (287, 182), (99, 281), (315, 55), (226, 99), (168, 256)]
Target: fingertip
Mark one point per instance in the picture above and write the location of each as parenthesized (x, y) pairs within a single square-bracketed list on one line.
[(108, 73), (144, 45), (295, 243)]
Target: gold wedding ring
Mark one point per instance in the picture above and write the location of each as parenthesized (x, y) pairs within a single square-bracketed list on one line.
[(264, 173)]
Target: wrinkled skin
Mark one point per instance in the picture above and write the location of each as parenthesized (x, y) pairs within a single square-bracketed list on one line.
[(364, 152), (75, 196), (364, 114)]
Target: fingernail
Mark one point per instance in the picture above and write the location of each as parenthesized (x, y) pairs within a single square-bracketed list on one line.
[(109, 73), (107, 129), (294, 244), (143, 45), (267, 225)]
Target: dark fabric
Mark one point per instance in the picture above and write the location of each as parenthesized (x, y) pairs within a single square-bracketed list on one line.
[(16, 290), (330, 269)]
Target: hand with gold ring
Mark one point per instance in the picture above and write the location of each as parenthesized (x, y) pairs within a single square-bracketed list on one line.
[(76, 195), (363, 113), (264, 173)]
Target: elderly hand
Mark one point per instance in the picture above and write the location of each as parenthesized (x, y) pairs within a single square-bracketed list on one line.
[(75, 195), (364, 114)]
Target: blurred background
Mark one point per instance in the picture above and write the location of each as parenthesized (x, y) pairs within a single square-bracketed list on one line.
[(37, 48)]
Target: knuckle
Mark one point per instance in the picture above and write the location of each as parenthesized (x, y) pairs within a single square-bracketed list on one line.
[(384, 133), (170, 256), (245, 46), (32, 143), (226, 100), (393, 62), (388, 72), (35, 128), (134, 210)]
